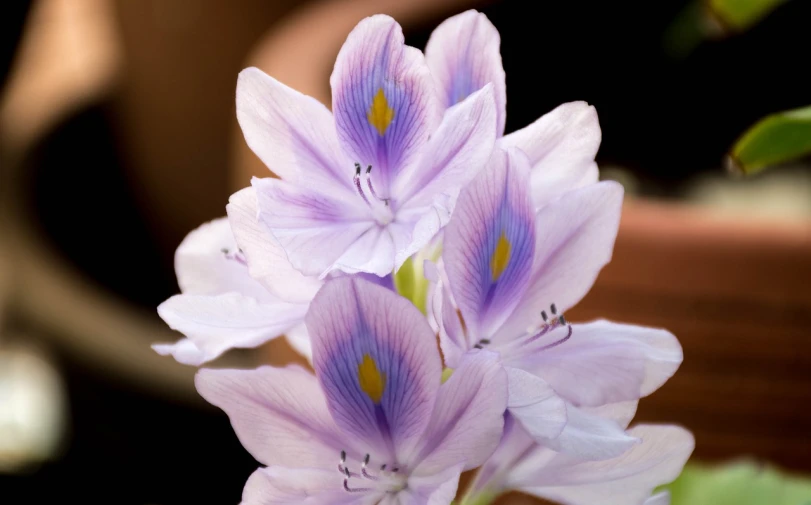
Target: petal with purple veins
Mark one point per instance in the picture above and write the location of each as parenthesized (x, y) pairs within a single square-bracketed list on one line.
[(468, 419), (456, 152), (490, 242), (314, 228), (376, 358), (293, 134), (382, 98), (464, 55), (574, 240)]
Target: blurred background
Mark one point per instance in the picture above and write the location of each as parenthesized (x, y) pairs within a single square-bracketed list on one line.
[(118, 136)]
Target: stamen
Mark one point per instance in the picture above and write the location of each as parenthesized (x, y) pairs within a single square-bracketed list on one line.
[(356, 489), (237, 256), (382, 478), (356, 180), (548, 326), (342, 468), (371, 188), (363, 469), (564, 339)]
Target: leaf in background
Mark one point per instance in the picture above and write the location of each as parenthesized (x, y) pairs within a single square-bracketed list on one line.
[(777, 138), (740, 483), (739, 15), (712, 19)]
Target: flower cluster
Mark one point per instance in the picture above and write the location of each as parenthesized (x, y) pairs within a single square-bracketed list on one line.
[(423, 262)]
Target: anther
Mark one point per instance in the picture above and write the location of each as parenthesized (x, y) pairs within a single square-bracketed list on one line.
[(543, 315), (553, 309), (562, 320)]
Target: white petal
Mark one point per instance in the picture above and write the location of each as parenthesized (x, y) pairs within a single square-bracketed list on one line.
[(626, 480), (590, 436), (184, 351), (605, 362), (561, 146), (535, 405), (206, 263), (266, 259), (218, 323)]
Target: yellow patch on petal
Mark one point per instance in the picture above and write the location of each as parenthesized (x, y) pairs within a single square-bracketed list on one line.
[(372, 381), (501, 257), (380, 114)]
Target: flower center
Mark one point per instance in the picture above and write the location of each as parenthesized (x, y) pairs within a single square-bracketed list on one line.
[(388, 479), (381, 208)]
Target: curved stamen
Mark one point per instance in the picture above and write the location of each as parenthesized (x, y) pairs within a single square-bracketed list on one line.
[(356, 180), (557, 343), (363, 469), (384, 477), (237, 256), (356, 489), (371, 188)]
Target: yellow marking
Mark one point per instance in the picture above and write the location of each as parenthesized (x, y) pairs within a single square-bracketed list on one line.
[(501, 257), (372, 381), (380, 114)]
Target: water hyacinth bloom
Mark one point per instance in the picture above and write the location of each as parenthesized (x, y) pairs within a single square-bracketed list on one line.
[(374, 425), (463, 54), (511, 272), (365, 186), (238, 289), (520, 464)]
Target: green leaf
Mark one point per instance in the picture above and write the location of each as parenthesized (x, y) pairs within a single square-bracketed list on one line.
[(778, 138), (740, 483), (738, 15)]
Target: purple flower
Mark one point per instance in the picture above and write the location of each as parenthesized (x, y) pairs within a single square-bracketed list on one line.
[(520, 464), (367, 185), (463, 55), (511, 272), (374, 425)]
